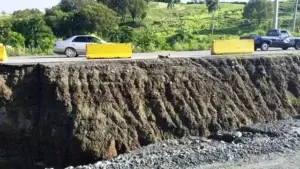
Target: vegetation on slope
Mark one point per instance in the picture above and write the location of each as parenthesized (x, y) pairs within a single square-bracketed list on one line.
[(150, 26)]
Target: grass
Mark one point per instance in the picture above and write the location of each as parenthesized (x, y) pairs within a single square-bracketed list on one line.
[(27, 52), (292, 99), (194, 17)]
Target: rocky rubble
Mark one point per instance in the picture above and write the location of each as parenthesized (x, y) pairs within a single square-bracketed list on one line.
[(57, 115), (261, 139)]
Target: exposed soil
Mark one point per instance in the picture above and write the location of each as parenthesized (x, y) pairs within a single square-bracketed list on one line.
[(58, 115)]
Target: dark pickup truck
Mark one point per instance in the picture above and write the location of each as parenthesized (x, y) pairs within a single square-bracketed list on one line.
[(277, 38)]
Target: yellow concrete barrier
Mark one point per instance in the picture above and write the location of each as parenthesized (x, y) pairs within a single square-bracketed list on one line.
[(108, 51), (221, 47), (3, 54)]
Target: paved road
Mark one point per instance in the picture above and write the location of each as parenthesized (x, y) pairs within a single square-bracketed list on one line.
[(57, 58)]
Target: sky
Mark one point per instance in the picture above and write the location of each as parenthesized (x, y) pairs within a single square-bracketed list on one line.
[(10, 6)]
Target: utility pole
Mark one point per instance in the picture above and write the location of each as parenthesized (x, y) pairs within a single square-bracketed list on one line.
[(295, 15), (275, 21)]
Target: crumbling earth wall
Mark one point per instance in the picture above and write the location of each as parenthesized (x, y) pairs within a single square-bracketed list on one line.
[(57, 115)]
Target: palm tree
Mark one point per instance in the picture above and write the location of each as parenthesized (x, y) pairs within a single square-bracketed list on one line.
[(212, 6)]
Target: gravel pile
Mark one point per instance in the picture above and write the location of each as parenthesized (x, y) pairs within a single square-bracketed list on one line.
[(255, 140)]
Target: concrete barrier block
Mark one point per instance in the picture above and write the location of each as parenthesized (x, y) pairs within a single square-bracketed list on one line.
[(3, 54), (108, 51), (221, 47)]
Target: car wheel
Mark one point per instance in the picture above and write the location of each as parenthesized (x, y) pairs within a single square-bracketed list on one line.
[(264, 46), (297, 46), (70, 52), (255, 48), (285, 48)]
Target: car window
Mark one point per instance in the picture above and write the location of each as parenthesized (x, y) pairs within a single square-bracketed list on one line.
[(81, 39), (94, 40)]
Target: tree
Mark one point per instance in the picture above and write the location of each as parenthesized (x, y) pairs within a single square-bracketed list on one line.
[(73, 5), (148, 1), (120, 6), (60, 22), (95, 18), (8, 37), (212, 6), (27, 13), (34, 30), (171, 4), (137, 8), (258, 10)]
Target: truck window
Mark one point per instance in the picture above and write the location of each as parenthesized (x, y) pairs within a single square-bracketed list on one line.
[(272, 33), (284, 33)]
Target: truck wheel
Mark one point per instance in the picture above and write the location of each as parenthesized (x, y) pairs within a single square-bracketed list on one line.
[(297, 46), (264, 46)]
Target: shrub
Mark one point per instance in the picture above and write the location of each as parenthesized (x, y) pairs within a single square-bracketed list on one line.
[(145, 40), (122, 35), (15, 39)]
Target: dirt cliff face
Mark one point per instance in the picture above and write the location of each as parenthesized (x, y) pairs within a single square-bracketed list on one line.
[(70, 114), (19, 113)]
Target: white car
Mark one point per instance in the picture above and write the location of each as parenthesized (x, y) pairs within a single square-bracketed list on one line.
[(75, 45)]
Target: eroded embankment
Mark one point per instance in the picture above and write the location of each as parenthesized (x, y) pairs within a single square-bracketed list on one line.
[(71, 114)]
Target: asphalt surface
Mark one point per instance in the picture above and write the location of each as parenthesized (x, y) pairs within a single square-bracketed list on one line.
[(136, 56)]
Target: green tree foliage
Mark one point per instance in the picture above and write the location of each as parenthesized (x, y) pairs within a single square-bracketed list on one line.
[(288, 6), (137, 8), (15, 39), (29, 28), (34, 30), (73, 5), (258, 10), (95, 18), (120, 6), (59, 21), (167, 1), (212, 6), (27, 13), (123, 35), (8, 37), (5, 28)]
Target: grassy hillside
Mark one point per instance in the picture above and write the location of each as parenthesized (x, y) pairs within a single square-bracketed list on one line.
[(187, 27), (193, 17)]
